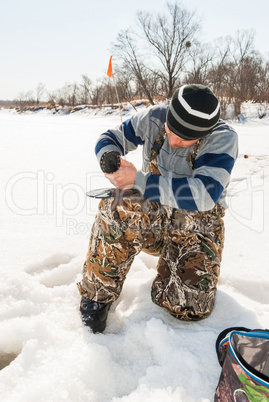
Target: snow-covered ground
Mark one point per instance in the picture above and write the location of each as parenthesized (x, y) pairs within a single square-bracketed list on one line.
[(47, 164)]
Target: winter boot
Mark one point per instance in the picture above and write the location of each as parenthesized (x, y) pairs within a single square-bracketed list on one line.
[(94, 314)]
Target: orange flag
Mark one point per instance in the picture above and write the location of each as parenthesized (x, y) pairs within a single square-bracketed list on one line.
[(109, 70)]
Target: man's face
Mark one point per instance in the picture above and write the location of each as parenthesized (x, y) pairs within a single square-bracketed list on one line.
[(177, 142)]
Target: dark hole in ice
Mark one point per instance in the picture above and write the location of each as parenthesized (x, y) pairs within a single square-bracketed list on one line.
[(6, 359)]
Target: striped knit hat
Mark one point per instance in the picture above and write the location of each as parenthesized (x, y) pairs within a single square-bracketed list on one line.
[(193, 112)]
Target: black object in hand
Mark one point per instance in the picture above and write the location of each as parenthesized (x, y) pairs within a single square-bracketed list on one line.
[(110, 162)]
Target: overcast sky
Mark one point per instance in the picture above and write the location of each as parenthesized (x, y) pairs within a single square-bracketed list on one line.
[(56, 41)]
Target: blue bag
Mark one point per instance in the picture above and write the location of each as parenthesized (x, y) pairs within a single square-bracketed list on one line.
[(244, 357)]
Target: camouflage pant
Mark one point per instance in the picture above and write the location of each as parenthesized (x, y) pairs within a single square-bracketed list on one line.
[(189, 244)]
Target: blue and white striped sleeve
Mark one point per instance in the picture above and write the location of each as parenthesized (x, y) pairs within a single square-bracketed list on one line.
[(112, 140), (133, 130), (213, 167), (211, 176)]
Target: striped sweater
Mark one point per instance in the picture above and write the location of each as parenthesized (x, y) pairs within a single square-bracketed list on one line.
[(178, 185)]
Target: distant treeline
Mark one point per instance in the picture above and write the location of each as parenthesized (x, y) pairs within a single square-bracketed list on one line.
[(6, 103), (163, 52)]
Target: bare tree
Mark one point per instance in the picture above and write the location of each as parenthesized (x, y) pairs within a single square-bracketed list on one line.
[(52, 98), (96, 93), (68, 95), (242, 46), (40, 89), (156, 52), (242, 67), (234, 73), (108, 92), (85, 89), (63, 95), (125, 85), (201, 60), (126, 49), (170, 37), (74, 94), (29, 98), (262, 86), (217, 72), (20, 99)]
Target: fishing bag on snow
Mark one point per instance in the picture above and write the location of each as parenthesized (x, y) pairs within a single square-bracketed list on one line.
[(244, 357)]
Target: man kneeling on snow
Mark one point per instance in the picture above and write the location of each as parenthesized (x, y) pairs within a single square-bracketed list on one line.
[(188, 156)]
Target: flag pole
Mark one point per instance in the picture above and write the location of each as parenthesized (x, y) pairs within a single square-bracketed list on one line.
[(110, 74)]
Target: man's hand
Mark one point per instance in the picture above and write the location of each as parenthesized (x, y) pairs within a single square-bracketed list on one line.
[(124, 177)]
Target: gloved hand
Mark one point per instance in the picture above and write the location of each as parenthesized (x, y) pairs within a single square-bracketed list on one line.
[(110, 162)]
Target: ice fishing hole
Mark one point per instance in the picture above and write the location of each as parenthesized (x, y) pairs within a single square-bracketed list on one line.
[(7, 358)]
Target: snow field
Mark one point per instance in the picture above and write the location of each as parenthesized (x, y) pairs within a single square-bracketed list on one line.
[(47, 165)]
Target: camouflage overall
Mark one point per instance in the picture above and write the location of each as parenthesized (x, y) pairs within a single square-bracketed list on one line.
[(189, 244)]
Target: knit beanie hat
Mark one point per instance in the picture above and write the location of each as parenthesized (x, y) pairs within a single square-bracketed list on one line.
[(193, 112)]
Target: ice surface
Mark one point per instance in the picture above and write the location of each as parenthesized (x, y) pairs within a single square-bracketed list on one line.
[(47, 164)]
